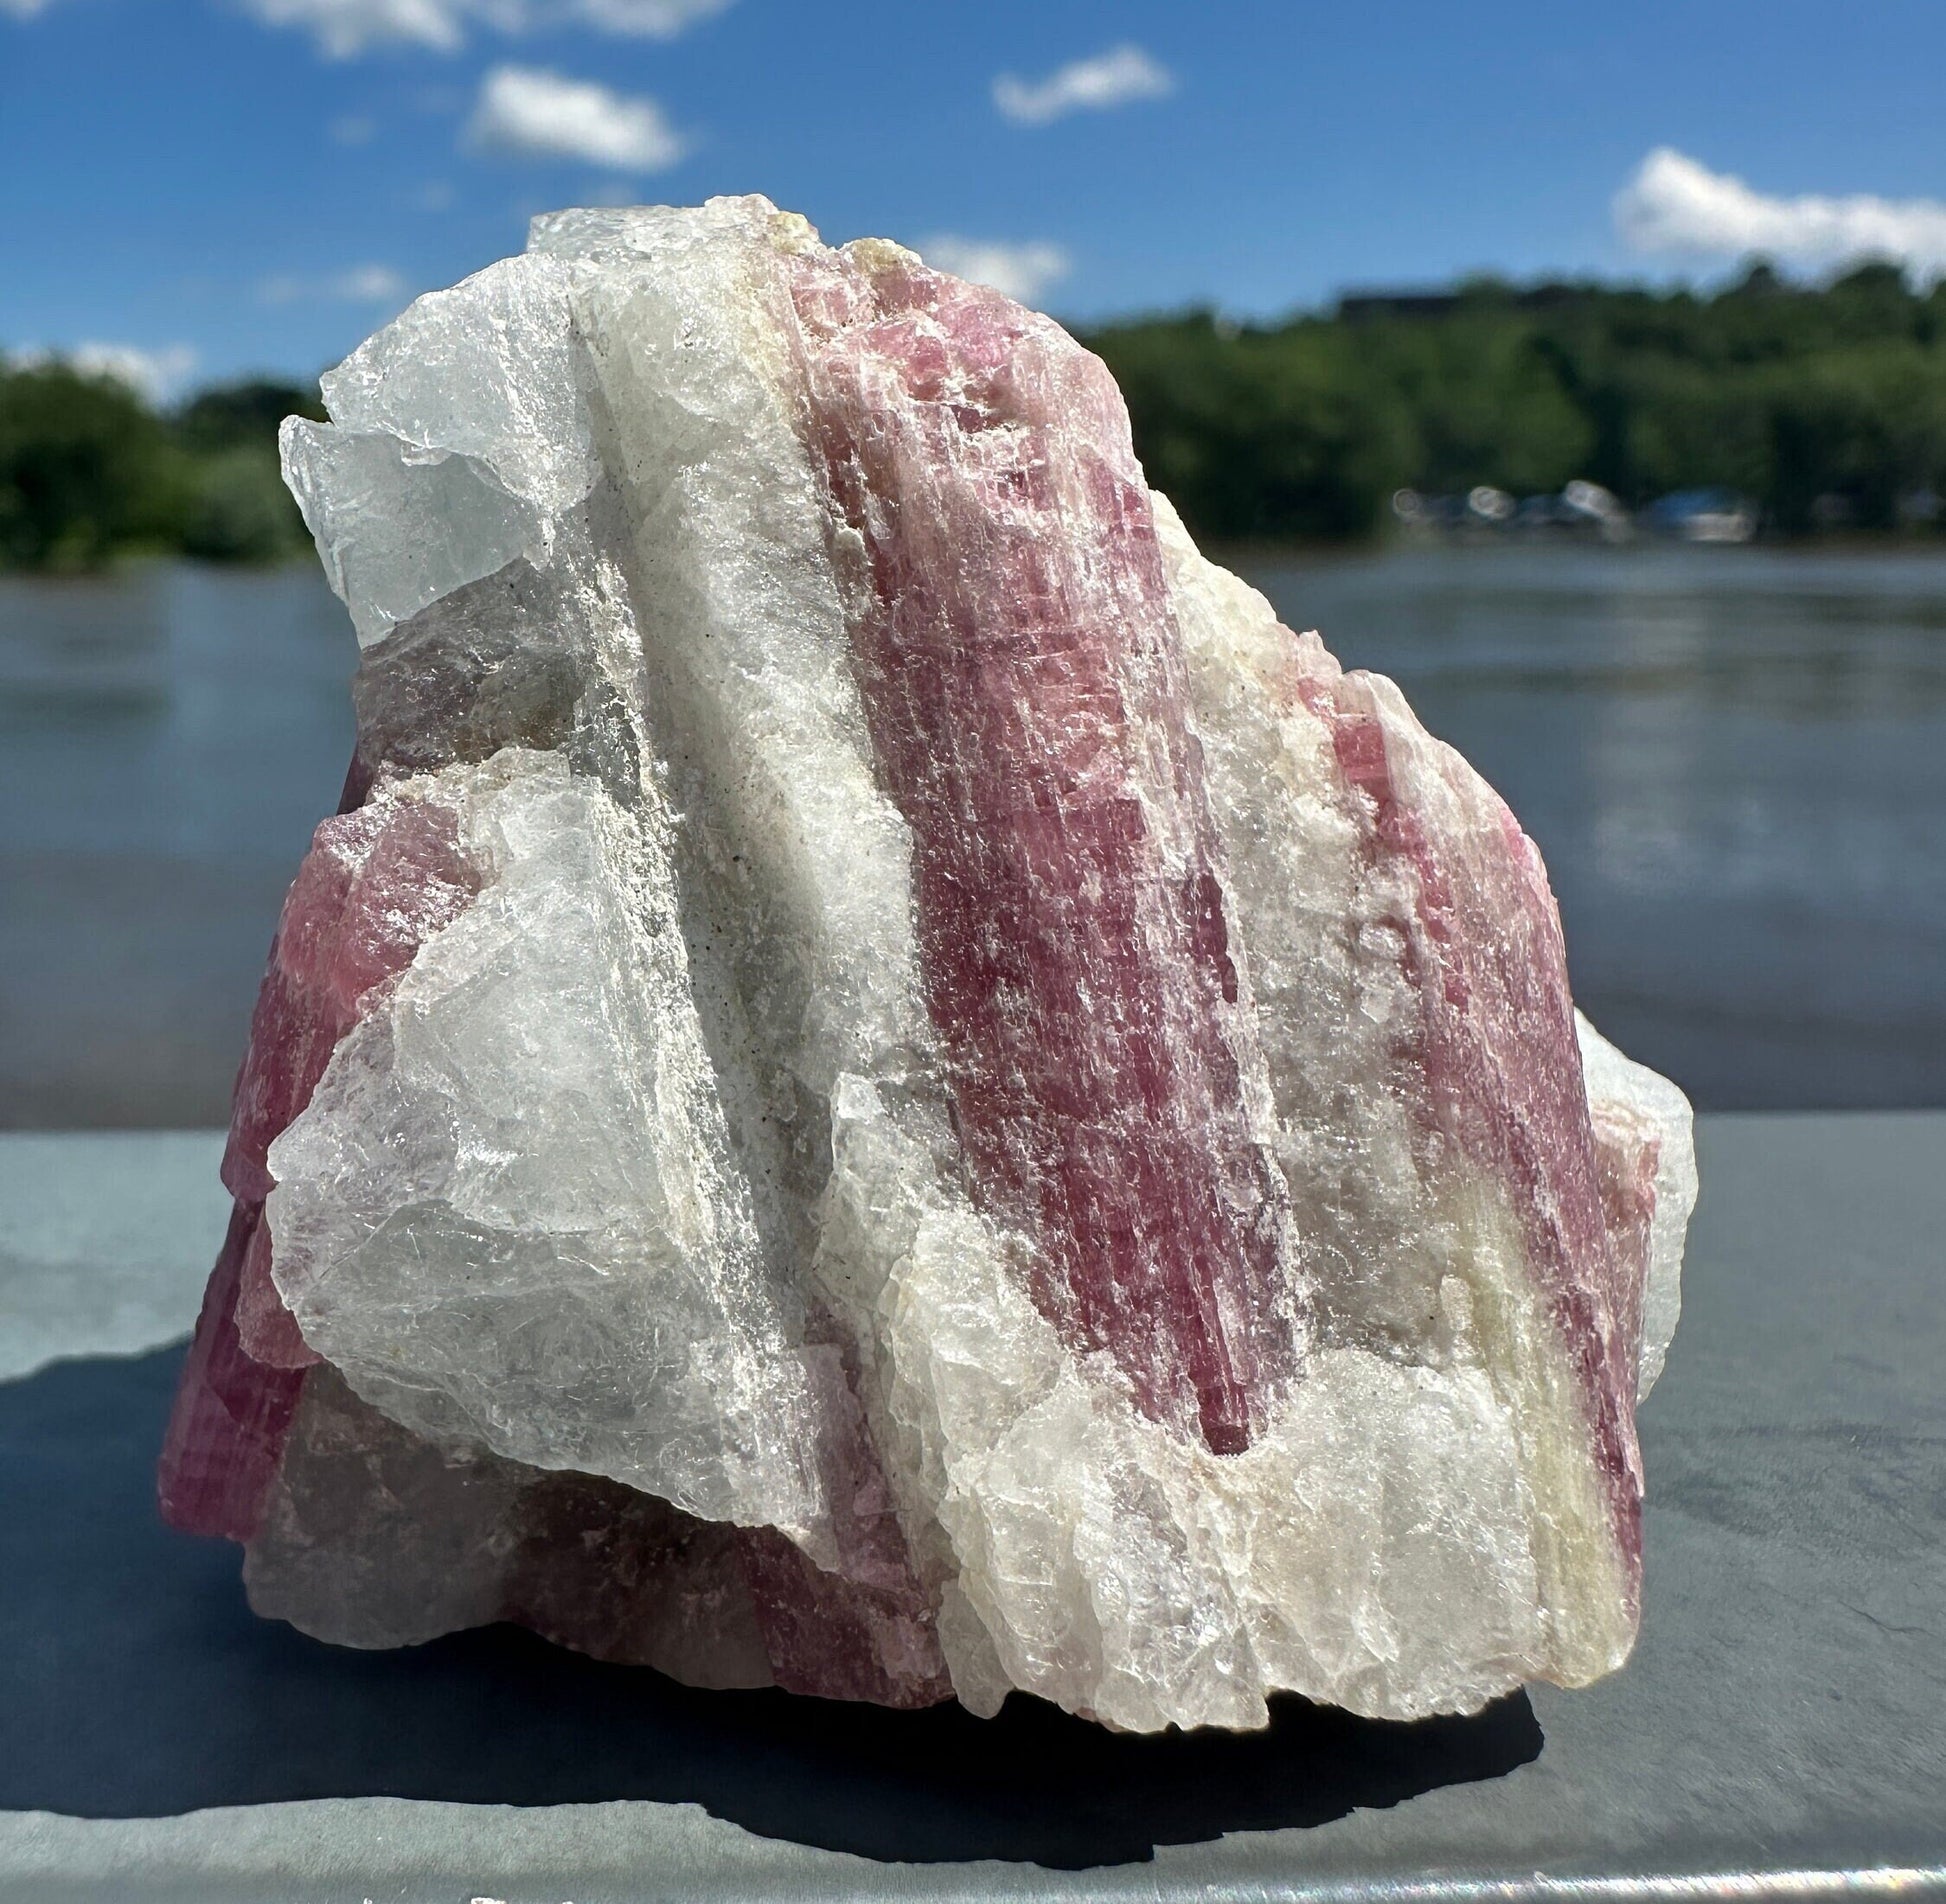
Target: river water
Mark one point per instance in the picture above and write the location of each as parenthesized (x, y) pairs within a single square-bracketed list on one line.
[(1734, 761)]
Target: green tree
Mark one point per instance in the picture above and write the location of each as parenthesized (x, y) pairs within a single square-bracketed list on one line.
[(86, 469), (244, 415), (1784, 393), (240, 509)]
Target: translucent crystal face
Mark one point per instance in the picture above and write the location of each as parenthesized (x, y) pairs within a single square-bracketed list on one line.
[(887, 1086)]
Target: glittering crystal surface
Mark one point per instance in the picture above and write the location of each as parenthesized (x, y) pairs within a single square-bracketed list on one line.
[(884, 1086)]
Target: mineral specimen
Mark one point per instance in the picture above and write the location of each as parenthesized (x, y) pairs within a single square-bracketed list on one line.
[(883, 1086)]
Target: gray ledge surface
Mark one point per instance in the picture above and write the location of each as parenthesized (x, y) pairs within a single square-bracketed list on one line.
[(1783, 1721)]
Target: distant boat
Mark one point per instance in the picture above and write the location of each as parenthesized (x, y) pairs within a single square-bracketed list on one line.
[(1582, 506), (1587, 505), (1704, 515)]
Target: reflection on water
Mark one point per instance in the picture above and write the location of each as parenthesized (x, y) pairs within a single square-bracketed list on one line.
[(1734, 760), (167, 741)]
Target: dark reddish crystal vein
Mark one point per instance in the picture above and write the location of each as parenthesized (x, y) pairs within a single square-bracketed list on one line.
[(232, 1412), (1021, 673)]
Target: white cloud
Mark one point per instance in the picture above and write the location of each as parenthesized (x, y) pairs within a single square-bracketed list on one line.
[(367, 284), (646, 19), (354, 129), (1022, 272), (156, 374), (360, 284), (343, 28), (539, 114), (1118, 77), (24, 9), (1676, 208)]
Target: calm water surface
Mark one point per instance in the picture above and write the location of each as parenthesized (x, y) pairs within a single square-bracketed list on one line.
[(1734, 761)]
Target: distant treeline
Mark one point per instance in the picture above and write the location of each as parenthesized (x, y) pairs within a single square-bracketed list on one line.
[(89, 471), (1824, 407)]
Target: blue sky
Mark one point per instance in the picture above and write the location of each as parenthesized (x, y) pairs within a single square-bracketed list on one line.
[(225, 185)]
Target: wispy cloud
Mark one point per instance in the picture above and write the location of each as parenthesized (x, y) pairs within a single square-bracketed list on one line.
[(538, 114), (1118, 77), (354, 129), (1021, 272), (24, 9), (343, 28), (361, 284), (157, 374), (645, 19), (1675, 207)]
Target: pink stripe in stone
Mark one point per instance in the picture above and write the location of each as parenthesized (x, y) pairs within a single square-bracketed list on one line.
[(1021, 673), (376, 884), (1626, 1162), (1502, 1063), (868, 1628), (840, 1638), (226, 1433), (266, 1329)]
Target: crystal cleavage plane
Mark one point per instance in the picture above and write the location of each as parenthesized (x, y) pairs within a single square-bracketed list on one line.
[(883, 1086)]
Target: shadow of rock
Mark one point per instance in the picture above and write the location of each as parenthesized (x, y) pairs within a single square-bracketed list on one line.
[(134, 1681)]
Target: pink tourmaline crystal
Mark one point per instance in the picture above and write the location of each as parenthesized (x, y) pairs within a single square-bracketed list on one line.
[(1017, 663), (886, 1087), (1483, 953), (374, 886)]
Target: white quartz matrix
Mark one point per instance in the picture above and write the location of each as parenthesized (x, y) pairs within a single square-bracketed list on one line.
[(908, 1096)]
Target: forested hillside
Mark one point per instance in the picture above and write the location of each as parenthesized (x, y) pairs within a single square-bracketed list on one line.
[(89, 471), (1826, 408)]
